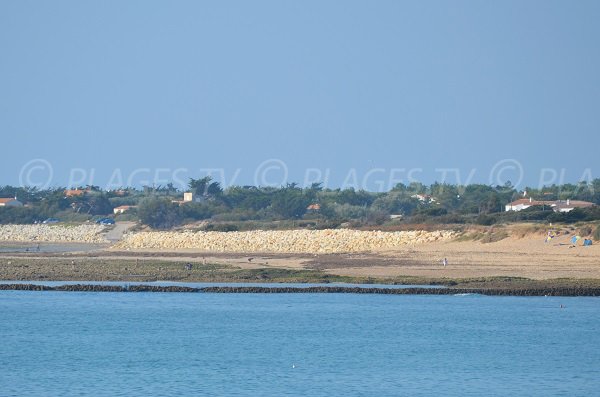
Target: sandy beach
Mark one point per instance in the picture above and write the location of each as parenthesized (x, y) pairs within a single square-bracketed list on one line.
[(518, 255)]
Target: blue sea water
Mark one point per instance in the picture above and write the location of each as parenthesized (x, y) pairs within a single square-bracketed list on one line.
[(166, 344)]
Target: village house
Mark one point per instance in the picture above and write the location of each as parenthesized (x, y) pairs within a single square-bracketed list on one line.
[(556, 206), (316, 207), (123, 208), (424, 198), (569, 205), (189, 197), (74, 193), (10, 202)]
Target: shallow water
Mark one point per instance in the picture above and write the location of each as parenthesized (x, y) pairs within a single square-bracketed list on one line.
[(71, 343)]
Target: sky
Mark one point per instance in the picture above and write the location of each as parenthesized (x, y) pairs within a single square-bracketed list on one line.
[(362, 94)]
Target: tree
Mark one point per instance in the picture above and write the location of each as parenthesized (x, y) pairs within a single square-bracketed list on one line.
[(93, 203), (159, 213), (290, 202), (248, 197), (395, 203), (205, 187)]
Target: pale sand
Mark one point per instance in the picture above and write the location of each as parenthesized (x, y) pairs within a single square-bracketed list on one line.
[(528, 257)]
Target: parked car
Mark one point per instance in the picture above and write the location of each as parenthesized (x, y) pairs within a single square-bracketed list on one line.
[(105, 221), (51, 220)]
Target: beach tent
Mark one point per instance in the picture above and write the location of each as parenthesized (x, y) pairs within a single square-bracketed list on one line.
[(587, 242), (575, 239)]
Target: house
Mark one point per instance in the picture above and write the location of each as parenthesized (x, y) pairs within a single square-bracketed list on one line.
[(191, 197), (74, 193), (569, 205), (424, 198), (314, 207), (123, 208), (10, 202), (556, 206), (521, 204)]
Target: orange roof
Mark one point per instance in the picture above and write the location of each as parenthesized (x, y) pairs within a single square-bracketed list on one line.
[(315, 207), (74, 192), (7, 200)]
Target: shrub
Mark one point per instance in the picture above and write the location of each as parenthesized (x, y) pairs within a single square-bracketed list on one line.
[(348, 211), (452, 218), (437, 211), (289, 202), (196, 211), (21, 215), (235, 215), (576, 215), (375, 217), (485, 220), (159, 213), (221, 227)]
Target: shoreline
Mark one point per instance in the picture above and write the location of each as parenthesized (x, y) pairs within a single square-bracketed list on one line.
[(522, 264), (549, 291)]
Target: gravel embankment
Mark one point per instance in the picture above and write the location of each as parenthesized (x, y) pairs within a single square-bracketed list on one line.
[(55, 233), (284, 241)]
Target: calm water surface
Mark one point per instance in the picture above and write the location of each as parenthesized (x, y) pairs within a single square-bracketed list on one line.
[(71, 343)]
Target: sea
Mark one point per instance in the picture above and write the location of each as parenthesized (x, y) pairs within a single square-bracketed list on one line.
[(207, 344)]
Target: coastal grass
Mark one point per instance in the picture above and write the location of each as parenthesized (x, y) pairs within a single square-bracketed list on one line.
[(490, 236)]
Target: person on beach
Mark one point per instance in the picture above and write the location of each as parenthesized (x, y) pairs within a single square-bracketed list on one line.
[(445, 262)]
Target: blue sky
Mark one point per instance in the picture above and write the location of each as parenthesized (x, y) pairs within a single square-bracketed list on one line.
[(98, 90)]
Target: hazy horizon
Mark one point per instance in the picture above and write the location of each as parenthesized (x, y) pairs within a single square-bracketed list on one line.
[(351, 94)]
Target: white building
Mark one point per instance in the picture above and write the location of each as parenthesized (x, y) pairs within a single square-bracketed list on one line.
[(556, 206), (424, 198), (190, 197), (123, 208), (569, 205)]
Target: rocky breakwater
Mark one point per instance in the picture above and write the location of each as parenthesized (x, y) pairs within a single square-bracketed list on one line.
[(283, 241), (56, 233), (547, 291)]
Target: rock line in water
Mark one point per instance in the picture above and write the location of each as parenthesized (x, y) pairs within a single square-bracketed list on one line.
[(559, 291)]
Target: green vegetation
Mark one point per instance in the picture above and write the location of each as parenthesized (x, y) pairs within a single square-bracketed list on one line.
[(159, 213), (248, 207), (487, 236)]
